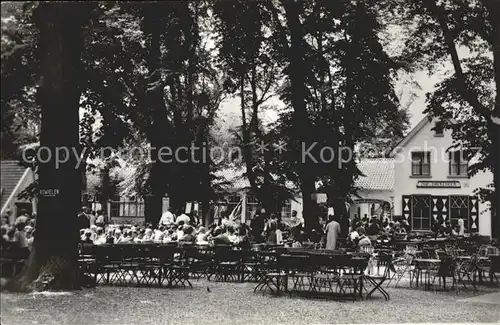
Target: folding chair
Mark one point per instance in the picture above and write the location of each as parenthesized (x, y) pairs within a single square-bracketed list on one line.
[(272, 277), (297, 268), (400, 267), (446, 269), (352, 278), (228, 265)]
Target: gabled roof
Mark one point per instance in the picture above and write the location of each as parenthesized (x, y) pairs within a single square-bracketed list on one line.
[(234, 179), (378, 174), (11, 174), (427, 119)]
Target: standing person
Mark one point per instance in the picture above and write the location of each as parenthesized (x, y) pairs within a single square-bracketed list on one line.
[(181, 216), (461, 228), (257, 226), (194, 218), (83, 220), (271, 233), (332, 233), (167, 218), (100, 219), (91, 216)]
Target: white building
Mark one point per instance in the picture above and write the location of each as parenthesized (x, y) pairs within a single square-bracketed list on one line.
[(375, 194), (15, 178), (431, 181)]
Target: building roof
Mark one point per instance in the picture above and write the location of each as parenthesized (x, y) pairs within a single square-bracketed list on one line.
[(232, 178), (423, 122), (378, 174), (10, 175)]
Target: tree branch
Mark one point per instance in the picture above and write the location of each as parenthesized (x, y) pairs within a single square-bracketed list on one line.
[(468, 94)]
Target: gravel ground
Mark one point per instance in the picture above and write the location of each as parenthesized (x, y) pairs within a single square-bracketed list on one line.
[(235, 303)]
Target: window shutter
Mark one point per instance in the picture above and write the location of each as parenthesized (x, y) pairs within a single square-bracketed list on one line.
[(473, 214), (407, 205)]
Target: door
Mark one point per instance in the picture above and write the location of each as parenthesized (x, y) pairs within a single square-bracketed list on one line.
[(421, 212)]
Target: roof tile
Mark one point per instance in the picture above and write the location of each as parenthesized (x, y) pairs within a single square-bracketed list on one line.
[(379, 174), (10, 174)]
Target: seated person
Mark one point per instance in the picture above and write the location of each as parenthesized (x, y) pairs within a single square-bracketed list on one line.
[(148, 236), (126, 238), (188, 236), (220, 237), (110, 239), (231, 234), (101, 238), (88, 237), (201, 237), (242, 240), (180, 230), (158, 234), (363, 240), (169, 236)]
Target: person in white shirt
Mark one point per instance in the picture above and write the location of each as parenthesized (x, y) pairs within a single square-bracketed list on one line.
[(295, 220), (180, 231), (201, 237), (183, 217), (167, 218), (231, 234), (279, 236), (158, 235), (100, 219), (101, 237)]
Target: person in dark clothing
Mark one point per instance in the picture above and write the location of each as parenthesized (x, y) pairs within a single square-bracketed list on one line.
[(257, 225), (220, 238), (373, 230), (83, 221)]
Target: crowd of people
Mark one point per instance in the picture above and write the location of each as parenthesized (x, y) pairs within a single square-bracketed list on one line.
[(187, 228), (20, 234)]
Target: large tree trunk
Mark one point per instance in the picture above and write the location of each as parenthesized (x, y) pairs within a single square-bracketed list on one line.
[(53, 261), (153, 208), (301, 125), (309, 211)]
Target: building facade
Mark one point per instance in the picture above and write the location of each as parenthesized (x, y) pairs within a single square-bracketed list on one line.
[(375, 186), (14, 179), (431, 181)]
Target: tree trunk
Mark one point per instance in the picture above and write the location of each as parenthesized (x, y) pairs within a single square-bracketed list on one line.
[(309, 212), (300, 123), (105, 194), (52, 264), (153, 208)]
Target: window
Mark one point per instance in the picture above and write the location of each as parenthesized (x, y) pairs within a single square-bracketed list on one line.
[(232, 201), (458, 165), (421, 212), (438, 128), (421, 163), (286, 210)]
